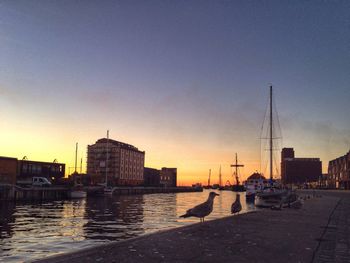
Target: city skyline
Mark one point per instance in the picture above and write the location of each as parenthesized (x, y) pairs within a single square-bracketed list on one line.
[(186, 82)]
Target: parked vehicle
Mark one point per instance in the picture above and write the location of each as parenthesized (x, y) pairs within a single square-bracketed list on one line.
[(40, 181)]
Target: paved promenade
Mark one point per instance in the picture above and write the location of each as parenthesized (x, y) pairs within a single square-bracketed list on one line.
[(319, 232)]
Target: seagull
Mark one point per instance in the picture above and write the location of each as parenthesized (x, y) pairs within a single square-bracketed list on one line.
[(236, 207), (203, 209)]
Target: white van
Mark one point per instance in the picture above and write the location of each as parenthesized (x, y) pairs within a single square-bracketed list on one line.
[(40, 181)]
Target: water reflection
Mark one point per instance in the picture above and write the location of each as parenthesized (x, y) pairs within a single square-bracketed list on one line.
[(29, 231), (114, 218)]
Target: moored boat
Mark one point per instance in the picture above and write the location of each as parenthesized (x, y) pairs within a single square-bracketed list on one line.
[(74, 194), (271, 196), (253, 185)]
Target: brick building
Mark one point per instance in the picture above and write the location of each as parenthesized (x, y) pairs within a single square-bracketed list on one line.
[(8, 170), (121, 163), (53, 171), (299, 170), (168, 177), (151, 177), (13, 171), (339, 172)]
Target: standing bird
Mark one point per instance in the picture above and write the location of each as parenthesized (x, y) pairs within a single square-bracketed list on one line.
[(236, 207), (203, 209)]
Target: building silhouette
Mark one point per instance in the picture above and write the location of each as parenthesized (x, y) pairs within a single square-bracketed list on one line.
[(339, 172), (13, 171), (151, 177), (168, 177), (8, 170), (120, 163), (299, 170)]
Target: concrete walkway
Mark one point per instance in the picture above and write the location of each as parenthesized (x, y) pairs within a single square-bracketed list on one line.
[(319, 232)]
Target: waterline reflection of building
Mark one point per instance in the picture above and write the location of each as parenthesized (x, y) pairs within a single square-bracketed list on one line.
[(38, 230), (114, 218)]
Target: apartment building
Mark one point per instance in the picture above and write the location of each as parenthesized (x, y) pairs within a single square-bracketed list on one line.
[(116, 162), (339, 172)]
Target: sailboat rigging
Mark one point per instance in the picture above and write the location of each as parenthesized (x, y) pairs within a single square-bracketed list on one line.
[(77, 190), (237, 187), (273, 194)]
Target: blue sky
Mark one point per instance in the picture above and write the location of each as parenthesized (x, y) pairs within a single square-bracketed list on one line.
[(186, 81)]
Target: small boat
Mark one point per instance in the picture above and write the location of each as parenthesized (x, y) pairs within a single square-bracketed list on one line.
[(215, 186), (271, 196), (75, 194), (77, 190), (250, 193), (254, 184), (237, 187), (108, 191)]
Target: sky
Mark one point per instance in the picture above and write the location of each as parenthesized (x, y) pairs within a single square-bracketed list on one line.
[(185, 81)]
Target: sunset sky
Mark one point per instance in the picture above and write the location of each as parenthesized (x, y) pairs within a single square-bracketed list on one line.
[(185, 81)]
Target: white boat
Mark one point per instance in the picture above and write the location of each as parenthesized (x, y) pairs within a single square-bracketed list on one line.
[(77, 191), (75, 194), (108, 191), (250, 191), (273, 194), (254, 184)]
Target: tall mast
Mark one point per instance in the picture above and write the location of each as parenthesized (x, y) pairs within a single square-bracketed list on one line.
[(76, 155), (220, 176), (106, 180), (271, 141), (236, 165), (209, 177)]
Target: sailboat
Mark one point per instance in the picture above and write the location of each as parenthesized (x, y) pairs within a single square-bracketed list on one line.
[(273, 194), (218, 186), (237, 187), (77, 190), (208, 186)]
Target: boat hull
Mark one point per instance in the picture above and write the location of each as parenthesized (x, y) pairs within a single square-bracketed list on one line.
[(270, 199), (77, 194), (250, 197)]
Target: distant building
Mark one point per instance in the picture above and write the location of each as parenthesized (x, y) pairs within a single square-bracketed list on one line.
[(8, 170), (27, 169), (299, 170), (151, 177), (123, 163), (13, 170), (168, 177), (339, 172)]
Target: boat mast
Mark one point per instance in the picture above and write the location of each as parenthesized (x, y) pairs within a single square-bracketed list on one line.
[(236, 165), (209, 177), (220, 176), (106, 180), (271, 141), (76, 155)]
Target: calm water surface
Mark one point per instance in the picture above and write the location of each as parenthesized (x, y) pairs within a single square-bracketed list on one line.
[(29, 231)]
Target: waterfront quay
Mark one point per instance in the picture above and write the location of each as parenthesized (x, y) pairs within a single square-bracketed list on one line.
[(319, 232), (16, 193)]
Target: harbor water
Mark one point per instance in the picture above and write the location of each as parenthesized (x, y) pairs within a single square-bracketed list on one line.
[(37, 230)]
